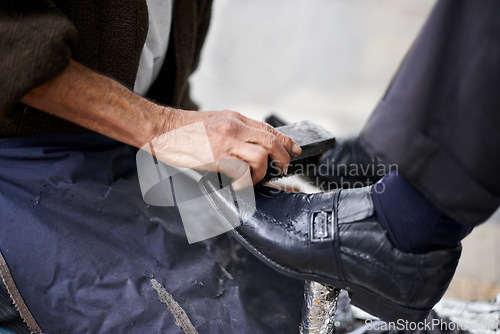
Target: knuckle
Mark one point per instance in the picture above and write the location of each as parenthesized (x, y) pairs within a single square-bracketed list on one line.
[(228, 126), (273, 142), (271, 129), (284, 139), (268, 128), (231, 114)]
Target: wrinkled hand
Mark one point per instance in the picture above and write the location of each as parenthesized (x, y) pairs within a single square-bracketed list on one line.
[(193, 139)]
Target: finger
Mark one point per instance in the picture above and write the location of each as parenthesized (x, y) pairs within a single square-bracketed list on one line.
[(243, 181), (232, 128), (278, 154), (289, 144), (237, 170), (256, 156)]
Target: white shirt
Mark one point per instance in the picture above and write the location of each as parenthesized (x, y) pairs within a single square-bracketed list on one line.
[(155, 48)]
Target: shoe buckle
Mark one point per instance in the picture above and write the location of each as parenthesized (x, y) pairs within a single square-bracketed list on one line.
[(321, 222)]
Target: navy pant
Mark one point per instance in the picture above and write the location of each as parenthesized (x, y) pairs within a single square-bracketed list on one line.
[(439, 120)]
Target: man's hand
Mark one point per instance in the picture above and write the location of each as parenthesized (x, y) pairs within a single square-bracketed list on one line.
[(230, 135), (101, 104)]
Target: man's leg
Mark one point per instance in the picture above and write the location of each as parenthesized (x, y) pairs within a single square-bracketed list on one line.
[(412, 223), (439, 120)]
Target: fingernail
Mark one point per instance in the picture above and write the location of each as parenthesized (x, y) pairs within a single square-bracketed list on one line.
[(296, 149)]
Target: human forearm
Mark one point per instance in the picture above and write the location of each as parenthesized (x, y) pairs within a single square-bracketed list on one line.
[(101, 104)]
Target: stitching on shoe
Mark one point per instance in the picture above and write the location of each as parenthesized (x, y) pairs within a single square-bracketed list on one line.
[(288, 227)]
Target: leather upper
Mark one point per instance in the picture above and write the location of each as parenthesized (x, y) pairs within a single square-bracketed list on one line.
[(334, 235)]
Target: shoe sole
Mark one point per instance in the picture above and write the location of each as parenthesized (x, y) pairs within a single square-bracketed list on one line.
[(369, 301)]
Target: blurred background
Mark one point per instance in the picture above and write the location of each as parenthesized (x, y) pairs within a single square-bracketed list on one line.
[(328, 61)]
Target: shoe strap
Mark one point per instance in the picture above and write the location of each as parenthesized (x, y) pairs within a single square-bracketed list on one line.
[(349, 206)]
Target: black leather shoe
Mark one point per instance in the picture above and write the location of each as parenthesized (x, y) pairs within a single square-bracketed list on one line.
[(334, 238)]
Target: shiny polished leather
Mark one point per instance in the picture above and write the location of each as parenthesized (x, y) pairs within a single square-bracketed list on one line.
[(334, 238)]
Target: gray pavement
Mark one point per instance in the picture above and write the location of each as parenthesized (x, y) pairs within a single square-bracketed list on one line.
[(328, 61)]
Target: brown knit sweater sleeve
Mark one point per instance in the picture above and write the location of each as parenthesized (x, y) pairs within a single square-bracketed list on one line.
[(35, 45)]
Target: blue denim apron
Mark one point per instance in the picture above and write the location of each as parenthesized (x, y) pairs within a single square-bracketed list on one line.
[(85, 250)]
